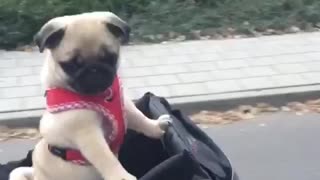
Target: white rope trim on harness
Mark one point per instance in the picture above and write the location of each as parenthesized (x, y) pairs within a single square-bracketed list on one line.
[(80, 162), (87, 105), (124, 114)]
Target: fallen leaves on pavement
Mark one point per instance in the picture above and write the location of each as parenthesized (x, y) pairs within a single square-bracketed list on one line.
[(247, 112), (203, 118), (18, 133), (243, 112)]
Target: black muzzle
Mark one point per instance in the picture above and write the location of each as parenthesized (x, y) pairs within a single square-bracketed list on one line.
[(89, 78)]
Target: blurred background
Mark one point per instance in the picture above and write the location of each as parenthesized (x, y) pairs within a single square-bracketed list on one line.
[(163, 20), (246, 71)]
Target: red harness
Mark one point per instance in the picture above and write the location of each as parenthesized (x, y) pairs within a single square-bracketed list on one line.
[(109, 104)]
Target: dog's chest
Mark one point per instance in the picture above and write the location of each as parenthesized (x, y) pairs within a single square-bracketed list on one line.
[(108, 106), (45, 162)]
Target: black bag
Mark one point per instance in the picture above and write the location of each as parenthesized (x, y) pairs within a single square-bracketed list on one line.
[(184, 153)]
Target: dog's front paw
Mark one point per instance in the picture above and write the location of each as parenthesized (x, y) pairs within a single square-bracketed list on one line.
[(159, 126), (164, 122), (122, 175), (21, 173)]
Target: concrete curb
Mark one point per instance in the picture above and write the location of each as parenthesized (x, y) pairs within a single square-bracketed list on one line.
[(21, 119), (193, 104), (224, 101)]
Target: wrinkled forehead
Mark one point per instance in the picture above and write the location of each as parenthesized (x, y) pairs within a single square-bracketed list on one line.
[(87, 38)]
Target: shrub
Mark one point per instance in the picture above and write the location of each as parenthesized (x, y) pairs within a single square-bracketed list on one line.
[(20, 19)]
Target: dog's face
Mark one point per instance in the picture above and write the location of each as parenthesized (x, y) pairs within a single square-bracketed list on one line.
[(86, 48)]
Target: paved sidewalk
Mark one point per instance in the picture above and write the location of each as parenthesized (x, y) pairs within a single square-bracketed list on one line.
[(279, 147), (183, 70)]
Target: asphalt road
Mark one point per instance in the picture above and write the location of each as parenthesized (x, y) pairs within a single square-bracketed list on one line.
[(274, 147)]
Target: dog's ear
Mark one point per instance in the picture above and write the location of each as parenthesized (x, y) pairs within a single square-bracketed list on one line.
[(120, 31), (50, 34), (118, 27)]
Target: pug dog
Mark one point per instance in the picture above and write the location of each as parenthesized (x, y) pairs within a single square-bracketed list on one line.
[(87, 112)]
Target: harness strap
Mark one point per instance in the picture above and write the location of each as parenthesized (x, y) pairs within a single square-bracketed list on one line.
[(69, 155)]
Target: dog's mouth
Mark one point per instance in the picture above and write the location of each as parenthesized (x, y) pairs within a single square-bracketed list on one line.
[(94, 80), (90, 79)]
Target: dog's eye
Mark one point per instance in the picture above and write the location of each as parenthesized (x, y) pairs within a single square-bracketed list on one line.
[(70, 67), (111, 59)]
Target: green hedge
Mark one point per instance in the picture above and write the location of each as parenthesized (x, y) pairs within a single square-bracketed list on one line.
[(20, 19)]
